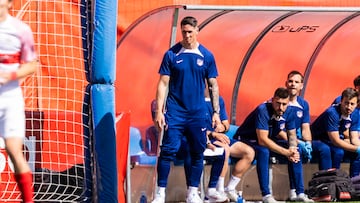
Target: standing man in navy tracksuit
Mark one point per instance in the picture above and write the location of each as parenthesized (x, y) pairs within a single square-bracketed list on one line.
[(183, 72)]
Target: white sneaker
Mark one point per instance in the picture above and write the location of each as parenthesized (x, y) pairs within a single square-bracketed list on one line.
[(215, 197), (303, 198), (269, 199), (159, 198), (292, 195), (223, 193), (232, 195), (193, 198)]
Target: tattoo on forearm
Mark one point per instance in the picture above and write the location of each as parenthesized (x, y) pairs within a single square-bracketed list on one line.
[(292, 141), (215, 96)]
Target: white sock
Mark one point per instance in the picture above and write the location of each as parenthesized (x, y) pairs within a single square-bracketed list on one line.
[(233, 182), (161, 191), (220, 184), (192, 190), (266, 196)]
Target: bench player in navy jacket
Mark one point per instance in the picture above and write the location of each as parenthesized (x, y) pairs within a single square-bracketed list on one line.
[(338, 128), (264, 129), (294, 84), (356, 83)]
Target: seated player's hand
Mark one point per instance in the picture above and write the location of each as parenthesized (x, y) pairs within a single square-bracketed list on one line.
[(221, 137), (308, 146), (301, 144), (294, 154), (306, 149), (216, 120), (294, 158), (219, 128), (160, 121), (211, 146)]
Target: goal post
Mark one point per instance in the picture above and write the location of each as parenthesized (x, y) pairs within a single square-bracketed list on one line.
[(102, 78)]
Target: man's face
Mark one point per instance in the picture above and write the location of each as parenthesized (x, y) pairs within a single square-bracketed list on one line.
[(189, 34), (279, 105), (294, 84), (348, 105), (4, 8)]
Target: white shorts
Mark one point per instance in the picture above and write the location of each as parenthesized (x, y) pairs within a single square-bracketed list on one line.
[(12, 114)]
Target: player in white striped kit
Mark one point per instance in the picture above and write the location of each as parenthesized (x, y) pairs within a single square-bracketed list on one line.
[(17, 60)]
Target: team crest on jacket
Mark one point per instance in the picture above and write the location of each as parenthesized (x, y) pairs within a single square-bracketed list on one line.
[(200, 62), (282, 126), (299, 114)]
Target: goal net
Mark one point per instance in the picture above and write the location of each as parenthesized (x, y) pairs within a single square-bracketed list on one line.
[(57, 139)]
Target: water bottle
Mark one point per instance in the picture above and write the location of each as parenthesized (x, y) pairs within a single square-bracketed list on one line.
[(240, 198), (143, 198)]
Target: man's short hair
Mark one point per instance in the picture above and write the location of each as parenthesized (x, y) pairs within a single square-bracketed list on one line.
[(357, 81), (282, 93), (189, 20), (349, 93), (295, 72)]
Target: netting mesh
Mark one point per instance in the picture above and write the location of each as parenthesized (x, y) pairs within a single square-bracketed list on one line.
[(56, 106)]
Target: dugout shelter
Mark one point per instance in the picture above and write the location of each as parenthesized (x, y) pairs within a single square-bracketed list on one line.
[(255, 47)]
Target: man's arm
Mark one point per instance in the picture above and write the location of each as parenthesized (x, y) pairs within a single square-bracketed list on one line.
[(282, 135), (214, 95), (306, 133), (221, 137), (29, 63), (24, 70), (161, 94), (354, 136), (292, 138), (224, 127), (346, 135), (265, 141), (295, 155), (335, 139)]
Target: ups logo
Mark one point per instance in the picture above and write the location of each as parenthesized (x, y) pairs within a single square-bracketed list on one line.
[(287, 28)]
